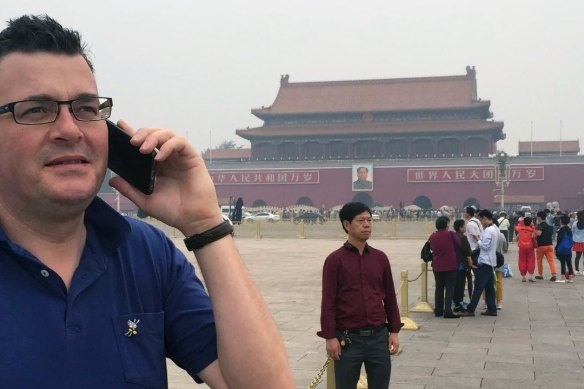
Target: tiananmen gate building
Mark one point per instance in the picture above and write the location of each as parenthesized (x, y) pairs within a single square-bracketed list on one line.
[(428, 141)]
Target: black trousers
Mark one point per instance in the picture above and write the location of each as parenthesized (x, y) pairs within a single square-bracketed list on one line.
[(459, 287), (373, 351), (566, 262), (444, 292)]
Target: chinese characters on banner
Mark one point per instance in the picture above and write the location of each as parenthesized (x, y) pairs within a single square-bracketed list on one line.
[(266, 177), (463, 174)]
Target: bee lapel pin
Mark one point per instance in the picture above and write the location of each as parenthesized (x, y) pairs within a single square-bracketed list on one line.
[(132, 328)]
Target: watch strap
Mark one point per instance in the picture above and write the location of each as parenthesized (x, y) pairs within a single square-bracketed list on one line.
[(195, 242)]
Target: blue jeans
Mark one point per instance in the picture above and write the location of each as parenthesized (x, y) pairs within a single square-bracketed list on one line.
[(484, 280), (371, 350)]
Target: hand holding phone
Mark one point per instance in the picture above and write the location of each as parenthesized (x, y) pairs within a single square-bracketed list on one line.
[(128, 162)]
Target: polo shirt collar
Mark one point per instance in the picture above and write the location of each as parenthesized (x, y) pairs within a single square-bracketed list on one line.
[(349, 246), (109, 225)]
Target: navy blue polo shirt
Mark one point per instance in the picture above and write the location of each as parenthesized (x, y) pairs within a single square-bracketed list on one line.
[(134, 300)]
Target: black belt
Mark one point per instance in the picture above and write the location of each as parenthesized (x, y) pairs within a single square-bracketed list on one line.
[(366, 331)]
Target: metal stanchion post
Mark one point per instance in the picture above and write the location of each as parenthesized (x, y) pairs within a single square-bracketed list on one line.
[(330, 376), (300, 230), (393, 234), (258, 233), (362, 383), (423, 305), (429, 228), (409, 324), (385, 228)]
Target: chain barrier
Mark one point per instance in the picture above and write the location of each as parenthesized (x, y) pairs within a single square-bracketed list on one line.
[(417, 278), (414, 280), (318, 377)]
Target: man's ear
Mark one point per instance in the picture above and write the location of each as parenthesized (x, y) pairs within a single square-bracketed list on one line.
[(346, 224)]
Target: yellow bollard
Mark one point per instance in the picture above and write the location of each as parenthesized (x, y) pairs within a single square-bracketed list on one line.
[(429, 228), (385, 229), (409, 324), (330, 376), (362, 383), (300, 230), (393, 234), (423, 305), (258, 233)]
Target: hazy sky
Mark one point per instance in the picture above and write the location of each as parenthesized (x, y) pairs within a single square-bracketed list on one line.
[(198, 67)]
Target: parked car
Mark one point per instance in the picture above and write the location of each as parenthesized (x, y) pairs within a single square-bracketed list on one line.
[(263, 216), (310, 217)]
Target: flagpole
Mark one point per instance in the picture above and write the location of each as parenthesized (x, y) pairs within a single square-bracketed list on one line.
[(210, 149), (531, 142), (560, 138)]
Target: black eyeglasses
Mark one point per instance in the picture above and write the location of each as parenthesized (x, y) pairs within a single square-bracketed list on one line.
[(84, 109)]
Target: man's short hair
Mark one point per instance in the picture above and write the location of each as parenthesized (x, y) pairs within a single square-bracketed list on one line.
[(486, 213), (541, 215), (470, 210), (362, 167), (350, 210), (442, 222), (565, 219), (527, 220), (33, 34)]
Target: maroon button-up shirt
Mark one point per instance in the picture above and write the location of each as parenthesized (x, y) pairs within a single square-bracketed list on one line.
[(357, 292)]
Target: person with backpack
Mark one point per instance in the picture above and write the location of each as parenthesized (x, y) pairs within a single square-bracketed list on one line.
[(563, 249), (525, 234), (486, 262), (445, 267)]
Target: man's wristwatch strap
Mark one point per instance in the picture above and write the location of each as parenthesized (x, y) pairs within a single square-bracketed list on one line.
[(198, 241)]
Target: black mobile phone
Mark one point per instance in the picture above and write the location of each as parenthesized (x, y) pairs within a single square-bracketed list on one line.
[(128, 162)]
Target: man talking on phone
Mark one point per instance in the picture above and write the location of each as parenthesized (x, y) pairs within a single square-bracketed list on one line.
[(88, 298)]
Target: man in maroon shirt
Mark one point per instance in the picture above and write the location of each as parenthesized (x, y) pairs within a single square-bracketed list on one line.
[(359, 315)]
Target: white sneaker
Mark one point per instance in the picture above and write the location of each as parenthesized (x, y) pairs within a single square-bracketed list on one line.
[(561, 281), (499, 306)]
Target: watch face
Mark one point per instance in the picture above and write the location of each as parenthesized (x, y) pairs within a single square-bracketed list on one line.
[(367, 117)]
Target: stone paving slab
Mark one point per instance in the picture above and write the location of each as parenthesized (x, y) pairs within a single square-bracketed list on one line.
[(537, 341)]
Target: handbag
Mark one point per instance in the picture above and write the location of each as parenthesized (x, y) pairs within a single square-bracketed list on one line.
[(426, 253), (475, 257)]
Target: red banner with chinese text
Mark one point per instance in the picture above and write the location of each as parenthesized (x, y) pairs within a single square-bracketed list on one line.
[(289, 177), (463, 174)]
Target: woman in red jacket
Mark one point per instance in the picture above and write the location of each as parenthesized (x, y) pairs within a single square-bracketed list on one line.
[(525, 234)]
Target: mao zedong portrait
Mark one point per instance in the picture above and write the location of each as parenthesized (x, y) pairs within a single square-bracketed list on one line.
[(363, 182)]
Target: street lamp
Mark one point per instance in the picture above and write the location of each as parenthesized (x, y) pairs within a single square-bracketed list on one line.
[(502, 174)]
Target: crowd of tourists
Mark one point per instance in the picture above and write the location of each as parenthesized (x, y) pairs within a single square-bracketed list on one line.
[(472, 256)]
